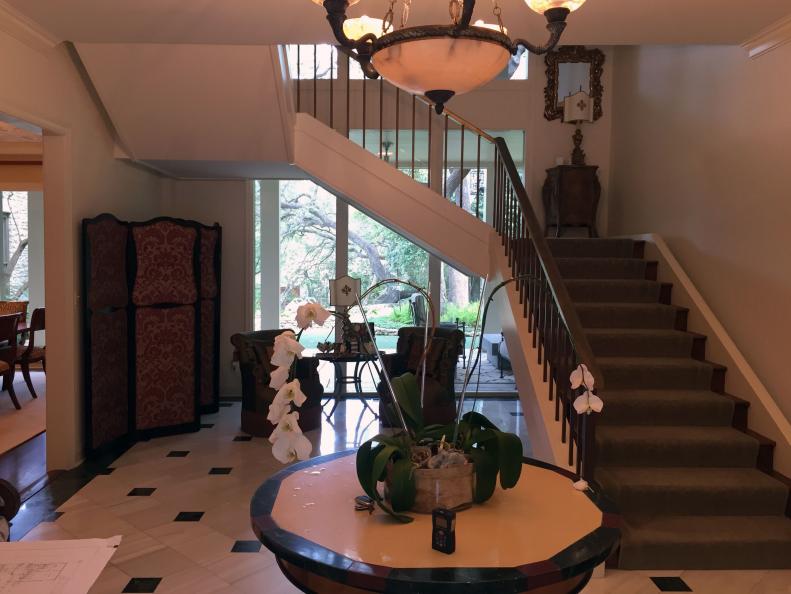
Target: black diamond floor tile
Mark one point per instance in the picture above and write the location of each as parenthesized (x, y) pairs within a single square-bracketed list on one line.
[(141, 492), (243, 438), (188, 517), (220, 471), (671, 584), (178, 454), (142, 585), (246, 546), (206, 425)]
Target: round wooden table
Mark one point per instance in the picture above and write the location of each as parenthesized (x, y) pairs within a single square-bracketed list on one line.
[(543, 536)]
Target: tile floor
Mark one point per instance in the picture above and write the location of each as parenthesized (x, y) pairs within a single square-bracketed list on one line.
[(182, 503)]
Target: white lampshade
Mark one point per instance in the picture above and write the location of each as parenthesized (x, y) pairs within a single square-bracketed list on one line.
[(458, 64), (492, 26), (578, 108), (357, 27), (541, 6)]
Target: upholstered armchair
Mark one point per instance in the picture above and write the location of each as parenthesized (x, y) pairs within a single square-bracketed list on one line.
[(254, 351), (439, 405)]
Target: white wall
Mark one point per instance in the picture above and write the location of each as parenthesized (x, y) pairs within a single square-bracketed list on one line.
[(81, 179), (700, 156), (228, 203)]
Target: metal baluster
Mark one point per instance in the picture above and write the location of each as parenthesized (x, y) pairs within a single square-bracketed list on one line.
[(315, 78), (348, 97), (333, 58), (397, 128), (299, 83), (445, 161), (461, 169), (381, 115), (365, 105), (428, 155), (478, 180), (413, 138)]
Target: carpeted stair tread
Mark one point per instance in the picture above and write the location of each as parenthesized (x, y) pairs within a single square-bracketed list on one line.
[(628, 315), (602, 268), (613, 290), (706, 542), (641, 342), (666, 407), (694, 491), (585, 248), (664, 373), (688, 446)]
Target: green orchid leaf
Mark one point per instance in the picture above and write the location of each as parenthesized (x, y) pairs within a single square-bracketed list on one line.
[(365, 462), (476, 419), (380, 462), (402, 485), (407, 394), (403, 518), (485, 474), (509, 458)]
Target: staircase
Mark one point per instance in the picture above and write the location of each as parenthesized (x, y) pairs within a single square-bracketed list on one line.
[(672, 448), (695, 487)]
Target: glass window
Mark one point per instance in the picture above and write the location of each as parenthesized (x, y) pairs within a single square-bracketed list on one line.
[(377, 253), (306, 62), (14, 277), (307, 251)]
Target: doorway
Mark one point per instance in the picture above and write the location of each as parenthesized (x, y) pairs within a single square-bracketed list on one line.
[(22, 423)]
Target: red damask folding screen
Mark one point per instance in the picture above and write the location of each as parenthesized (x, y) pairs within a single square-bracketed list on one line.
[(151, 327)]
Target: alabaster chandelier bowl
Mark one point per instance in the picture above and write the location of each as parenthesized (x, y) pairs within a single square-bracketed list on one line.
[(439, 65), (439, 60)]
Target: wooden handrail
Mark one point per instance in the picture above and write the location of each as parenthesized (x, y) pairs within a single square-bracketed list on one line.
[(557, 287)]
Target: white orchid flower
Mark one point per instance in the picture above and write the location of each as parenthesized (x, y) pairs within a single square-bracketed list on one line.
[(286, 348), (277, 409), (291, 392), (588, 403), (291, 447), (278, 377), (581, 485), (581, 376), (289, 424), (307, 313)]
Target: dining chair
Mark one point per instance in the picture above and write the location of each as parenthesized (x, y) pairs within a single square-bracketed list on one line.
[(32, 353), (8, 353)]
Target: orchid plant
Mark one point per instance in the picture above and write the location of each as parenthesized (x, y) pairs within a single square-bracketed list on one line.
[(586, 403), (288, 442)]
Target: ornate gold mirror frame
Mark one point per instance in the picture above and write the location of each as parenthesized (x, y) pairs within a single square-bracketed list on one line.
[(574, 54)]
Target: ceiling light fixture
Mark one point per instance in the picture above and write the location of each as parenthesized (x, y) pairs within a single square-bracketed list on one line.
[(439, 61)]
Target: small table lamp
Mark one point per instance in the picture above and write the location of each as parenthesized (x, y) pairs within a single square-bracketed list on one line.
[(578, 108), (344, 291)]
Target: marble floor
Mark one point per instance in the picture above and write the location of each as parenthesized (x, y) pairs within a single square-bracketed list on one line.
[(181, 504)]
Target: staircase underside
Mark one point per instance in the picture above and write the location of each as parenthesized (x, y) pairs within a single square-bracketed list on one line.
[(686, 480)]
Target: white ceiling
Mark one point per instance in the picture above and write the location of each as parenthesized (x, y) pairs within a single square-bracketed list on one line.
[(280, 21)]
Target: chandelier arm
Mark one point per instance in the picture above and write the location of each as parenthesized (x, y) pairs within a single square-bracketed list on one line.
[(555, 31), (466, 13)]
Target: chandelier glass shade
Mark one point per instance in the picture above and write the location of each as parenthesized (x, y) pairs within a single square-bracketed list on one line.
[(541, 6), (442, 60)]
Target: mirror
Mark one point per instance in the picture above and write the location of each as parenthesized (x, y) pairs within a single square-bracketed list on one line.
[(569, 69)]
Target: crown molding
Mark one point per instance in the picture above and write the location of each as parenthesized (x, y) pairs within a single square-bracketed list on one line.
[(775, 35), (23, 29)]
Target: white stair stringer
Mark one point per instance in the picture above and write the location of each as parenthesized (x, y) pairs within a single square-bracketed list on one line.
[(391, 197), (543, 430)]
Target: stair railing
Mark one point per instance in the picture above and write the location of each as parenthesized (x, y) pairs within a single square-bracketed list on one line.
[(440, 150), (348, 105), (558, 335)]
